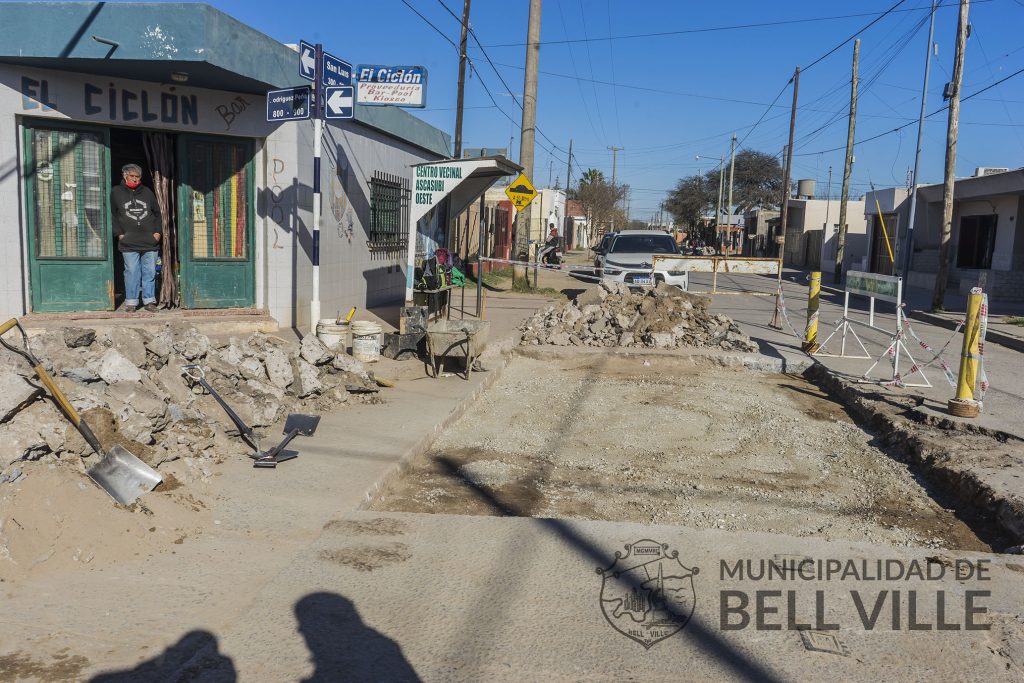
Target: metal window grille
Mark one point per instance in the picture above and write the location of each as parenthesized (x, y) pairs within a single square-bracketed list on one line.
[(389, 212), (220, 195)]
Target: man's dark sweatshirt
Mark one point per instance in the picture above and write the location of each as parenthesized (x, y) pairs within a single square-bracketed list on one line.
[(136, 216)]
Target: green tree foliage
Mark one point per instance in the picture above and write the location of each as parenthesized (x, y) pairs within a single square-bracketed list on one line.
[(757, 183)]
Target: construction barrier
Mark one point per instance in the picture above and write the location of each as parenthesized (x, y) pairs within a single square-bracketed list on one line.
[(732, 265)]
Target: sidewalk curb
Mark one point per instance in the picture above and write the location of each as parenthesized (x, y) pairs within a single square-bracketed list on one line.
[(423, 444), (996, 337)]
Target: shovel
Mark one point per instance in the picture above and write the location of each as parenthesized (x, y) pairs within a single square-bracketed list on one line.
[(118, 472), (296, 424)]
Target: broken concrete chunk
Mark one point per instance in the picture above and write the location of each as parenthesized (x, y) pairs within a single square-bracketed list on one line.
[(129, 342), (140, 399), (135, 426), (347, 363), (307, 380), (15, 394), (313, 351), (114, 368), (193, 345), (77, 337), (252, 369), (81, 375), (21, 441), (161, 345), (279, 368)]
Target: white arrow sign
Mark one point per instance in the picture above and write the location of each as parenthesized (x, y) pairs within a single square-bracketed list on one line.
[(307, 60), (340, 102)]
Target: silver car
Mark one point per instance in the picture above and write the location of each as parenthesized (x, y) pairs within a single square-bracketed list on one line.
[(630, 259)]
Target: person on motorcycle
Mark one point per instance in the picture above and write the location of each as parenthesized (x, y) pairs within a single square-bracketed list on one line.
[(549, 254)]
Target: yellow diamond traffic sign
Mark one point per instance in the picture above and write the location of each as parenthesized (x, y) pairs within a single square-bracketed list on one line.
[(521, 192)]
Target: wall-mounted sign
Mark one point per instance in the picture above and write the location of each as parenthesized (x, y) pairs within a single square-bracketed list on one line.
[(400, 86)]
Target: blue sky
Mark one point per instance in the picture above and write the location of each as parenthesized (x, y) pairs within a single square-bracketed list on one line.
[(667, 98)]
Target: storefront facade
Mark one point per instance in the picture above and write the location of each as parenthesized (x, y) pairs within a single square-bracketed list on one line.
[(236, 191)]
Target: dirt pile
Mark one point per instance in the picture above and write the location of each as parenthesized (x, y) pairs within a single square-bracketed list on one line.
[(664, 317), (129, 385)]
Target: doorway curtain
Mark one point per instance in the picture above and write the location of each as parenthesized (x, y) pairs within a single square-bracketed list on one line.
[(160, 156)]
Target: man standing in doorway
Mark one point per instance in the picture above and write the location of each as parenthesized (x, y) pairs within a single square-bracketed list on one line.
[(136, 218)]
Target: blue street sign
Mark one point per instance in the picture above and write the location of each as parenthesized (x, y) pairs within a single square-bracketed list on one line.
[(336, 71), (290, 104), (340, 102), (307, 61)]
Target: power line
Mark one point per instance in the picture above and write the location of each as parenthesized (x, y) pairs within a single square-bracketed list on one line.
[(937, 111), (735, 27), (431, 24)]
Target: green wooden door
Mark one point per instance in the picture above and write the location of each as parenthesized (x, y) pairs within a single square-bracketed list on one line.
[(216, 219), (68, 200)]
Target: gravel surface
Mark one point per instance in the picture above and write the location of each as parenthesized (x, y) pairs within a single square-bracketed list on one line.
[(670, 441)]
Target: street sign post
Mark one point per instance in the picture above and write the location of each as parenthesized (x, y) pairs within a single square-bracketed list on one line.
[(336, 72), (399, 86), (340, 102), (290, 104), (521, 192), (307, 61), (333, 97)]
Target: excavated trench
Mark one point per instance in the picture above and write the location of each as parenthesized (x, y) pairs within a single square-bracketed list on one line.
[(679, 440)]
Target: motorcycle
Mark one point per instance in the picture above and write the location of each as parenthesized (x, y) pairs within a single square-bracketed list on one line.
[(551, 254)]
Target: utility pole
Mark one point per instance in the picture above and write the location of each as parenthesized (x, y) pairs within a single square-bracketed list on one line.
[(528, 134), (732, 172), (718, 208), (789, 168), (953, 129), (775, 322), (847, 168), (615, 191), (461, 96), (828, 201), (908, 257), (568, 171)]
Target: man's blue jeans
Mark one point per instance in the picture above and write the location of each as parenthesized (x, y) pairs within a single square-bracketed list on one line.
[(139, 270)]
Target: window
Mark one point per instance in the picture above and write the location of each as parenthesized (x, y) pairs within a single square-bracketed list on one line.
[(977, 242), (644, 244), (389, 212), (219, 180), (69, 197)]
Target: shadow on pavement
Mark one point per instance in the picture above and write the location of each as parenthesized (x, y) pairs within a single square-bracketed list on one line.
[(195, 657), (344, 648)]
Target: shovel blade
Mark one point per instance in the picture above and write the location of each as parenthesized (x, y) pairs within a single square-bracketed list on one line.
[(304, 424), (123, 475)]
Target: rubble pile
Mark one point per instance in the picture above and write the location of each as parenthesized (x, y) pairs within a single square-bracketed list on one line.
[(664, 317), (130, 387)]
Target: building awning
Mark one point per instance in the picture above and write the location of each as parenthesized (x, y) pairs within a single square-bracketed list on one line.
[(461, 181)]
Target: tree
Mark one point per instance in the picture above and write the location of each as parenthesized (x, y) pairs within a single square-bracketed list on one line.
[(600, 198), (757, 182), (691, 198)]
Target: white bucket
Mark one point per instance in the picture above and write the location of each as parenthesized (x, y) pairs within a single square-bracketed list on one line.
[(334, 335), (366, 341)]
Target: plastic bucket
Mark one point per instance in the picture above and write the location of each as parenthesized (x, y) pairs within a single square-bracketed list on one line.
[(367, 338), (334, 335)]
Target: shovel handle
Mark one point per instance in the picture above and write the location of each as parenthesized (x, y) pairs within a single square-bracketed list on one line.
[(8, 325)]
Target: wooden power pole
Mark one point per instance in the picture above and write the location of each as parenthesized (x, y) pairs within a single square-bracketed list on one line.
[(461, 96), (527, 136), (953, 129), (847, 168), (789, 167)]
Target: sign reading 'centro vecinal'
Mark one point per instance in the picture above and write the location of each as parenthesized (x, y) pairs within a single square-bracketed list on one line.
[(400, 86), (431, 179)]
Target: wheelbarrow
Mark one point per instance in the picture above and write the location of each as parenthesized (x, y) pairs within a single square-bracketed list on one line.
[(464, 339)]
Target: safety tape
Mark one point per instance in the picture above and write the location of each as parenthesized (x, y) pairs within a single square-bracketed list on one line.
[(780, 306), (936, 355), (580, 272)]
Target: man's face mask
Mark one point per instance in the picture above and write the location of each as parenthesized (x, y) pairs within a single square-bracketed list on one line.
[(132, 180)]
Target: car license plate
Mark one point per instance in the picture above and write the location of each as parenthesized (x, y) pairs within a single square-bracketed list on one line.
[(644, 281)]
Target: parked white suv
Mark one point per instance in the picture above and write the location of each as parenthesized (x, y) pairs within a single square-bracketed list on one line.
[(630, 259)]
